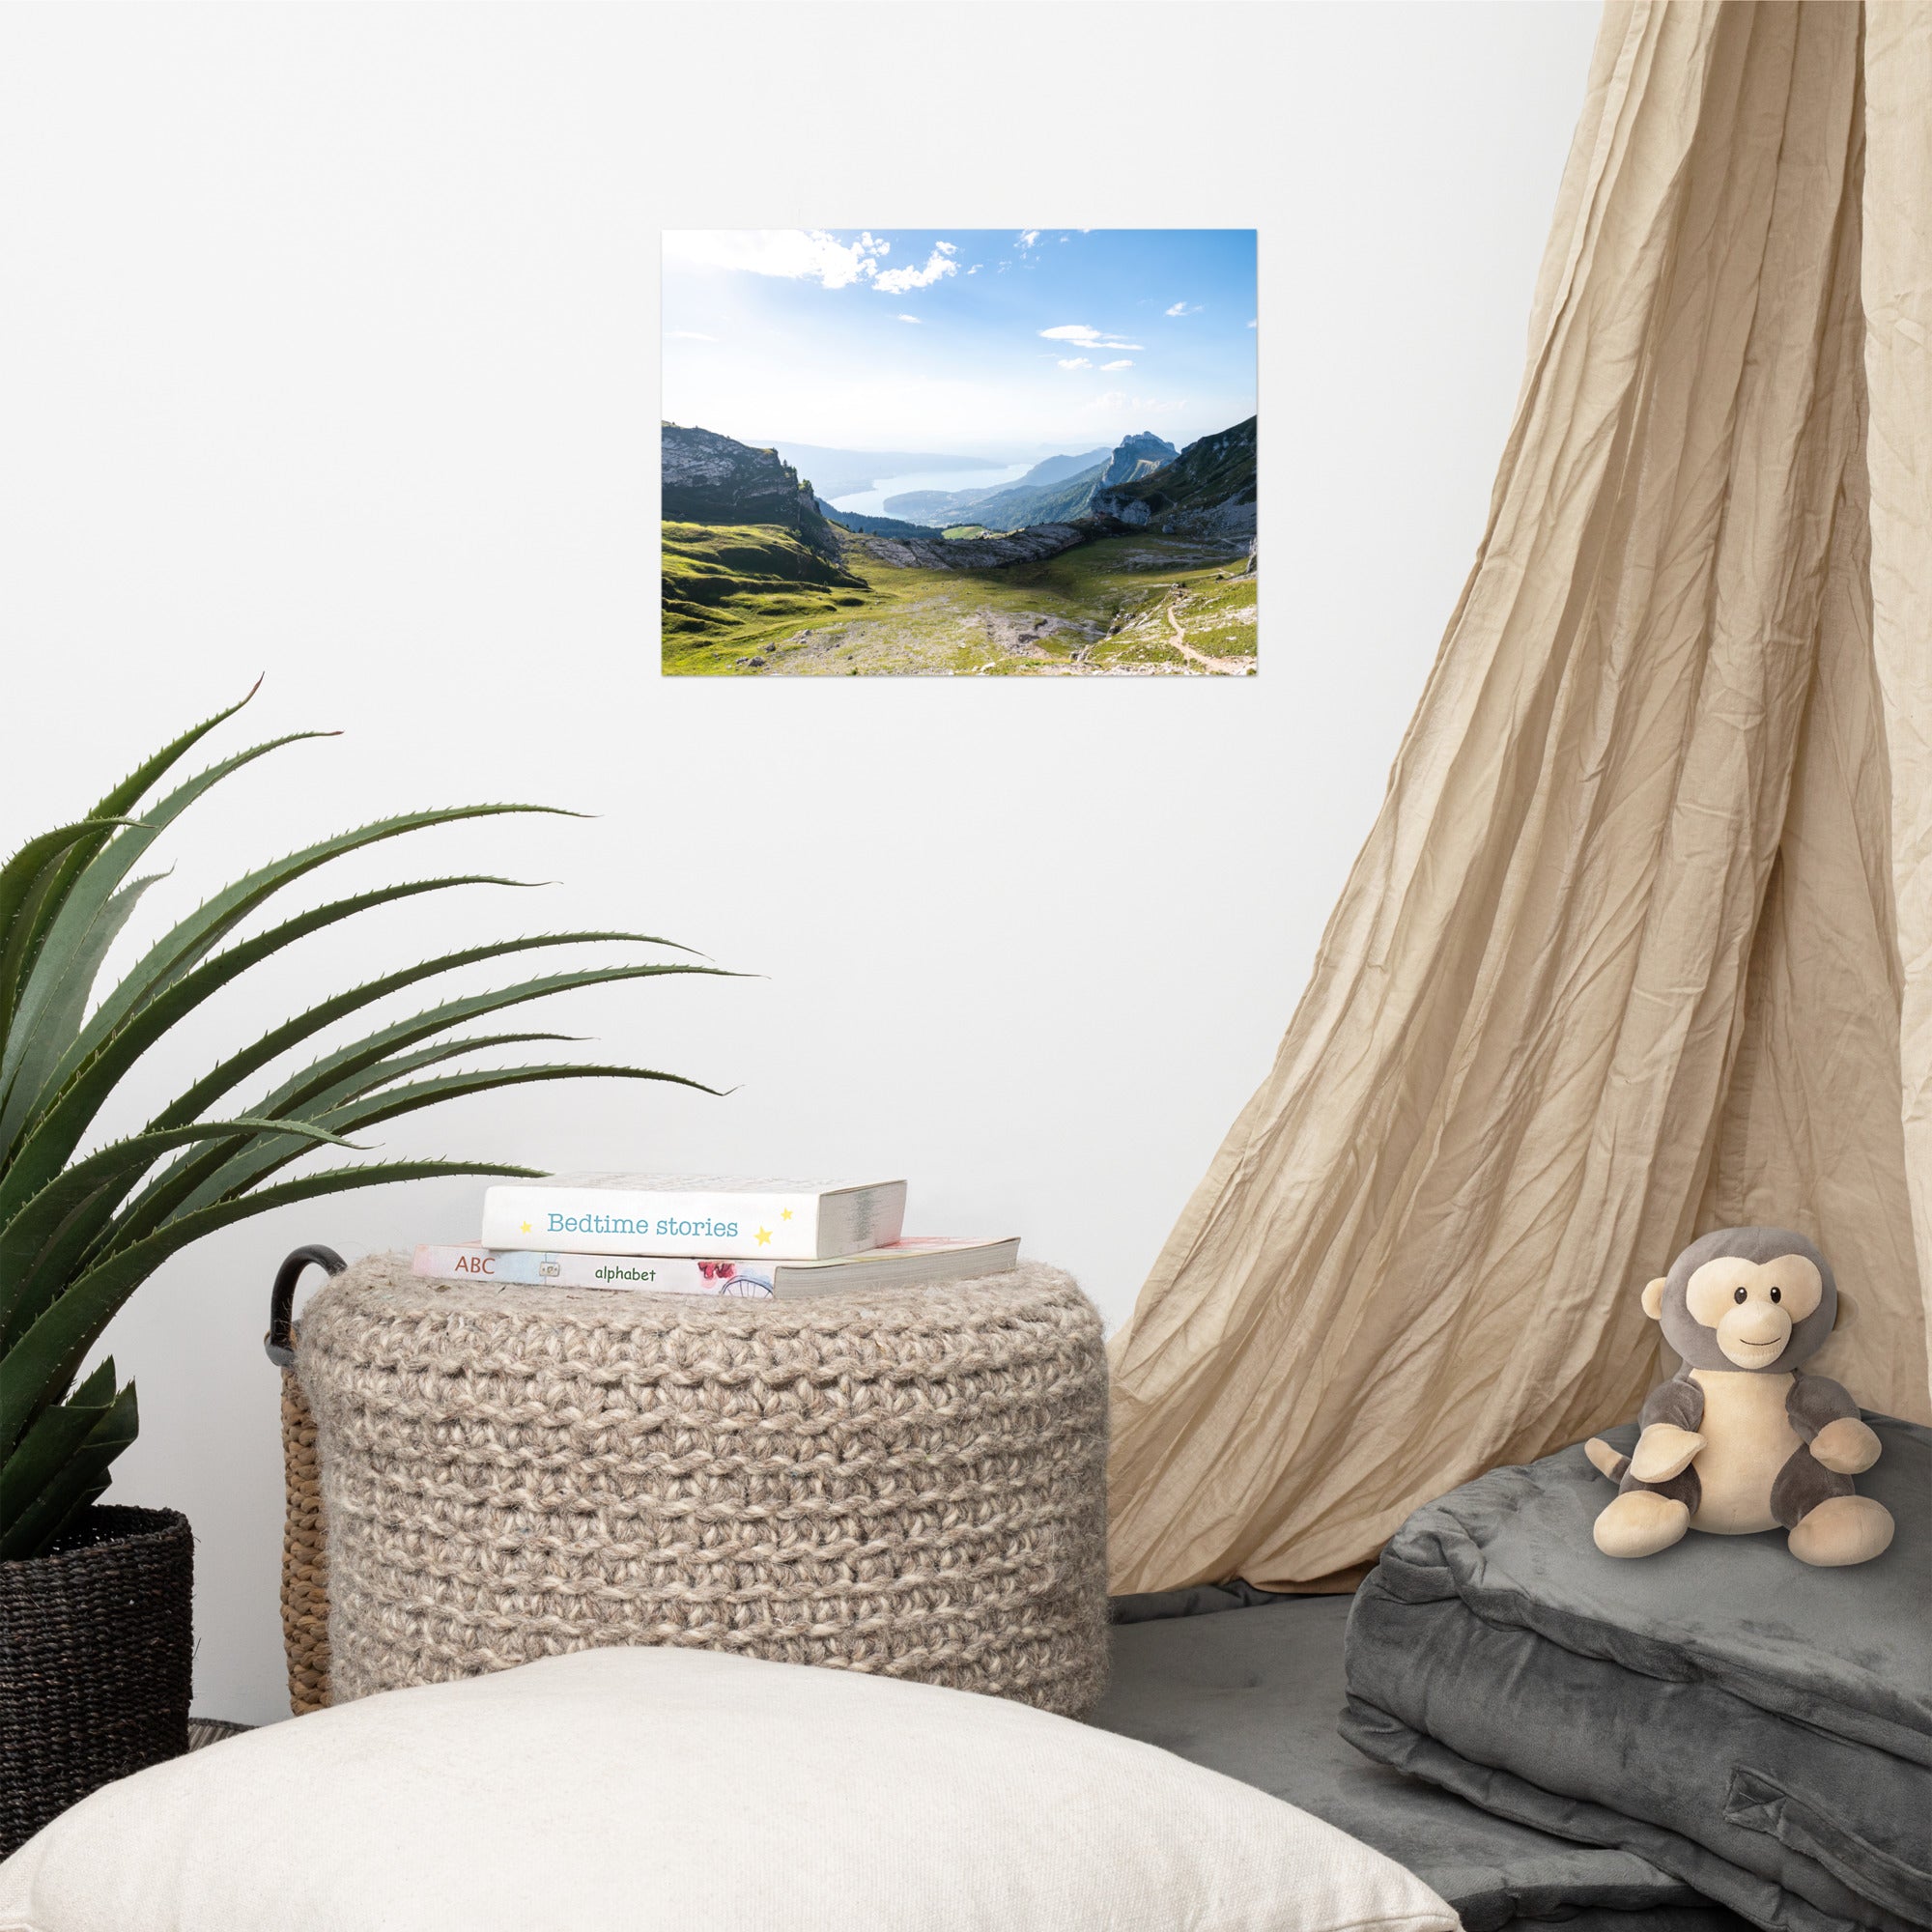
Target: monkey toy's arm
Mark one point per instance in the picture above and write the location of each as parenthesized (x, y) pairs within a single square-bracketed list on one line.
[(1669, 1439), (1827, 1419)]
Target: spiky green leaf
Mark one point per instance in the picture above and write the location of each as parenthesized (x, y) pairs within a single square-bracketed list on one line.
[(48, 1445), (182, 1182), (194, 937), (77, 1479), (229, 1073), (51, 889), (34, 864), (60, 1019), (36, 1367), (28, 1228), (63, 947), (261, 1157), (58, 1128)]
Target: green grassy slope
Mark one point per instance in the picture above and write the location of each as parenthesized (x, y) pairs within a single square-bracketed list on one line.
[(718, 577), (1127, 604)]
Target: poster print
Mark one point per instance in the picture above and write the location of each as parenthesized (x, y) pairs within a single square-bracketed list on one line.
[(960, 453)]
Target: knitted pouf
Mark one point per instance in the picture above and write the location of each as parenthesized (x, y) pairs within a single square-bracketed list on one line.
[(909, 1481)]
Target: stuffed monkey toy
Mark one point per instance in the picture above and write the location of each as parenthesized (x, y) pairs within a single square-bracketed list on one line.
[(1740, 1439)]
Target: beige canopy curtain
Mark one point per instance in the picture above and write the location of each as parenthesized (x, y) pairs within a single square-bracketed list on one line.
[(1641, 941)]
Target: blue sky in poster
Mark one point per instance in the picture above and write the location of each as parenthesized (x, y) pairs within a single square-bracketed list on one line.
[(982, 342)]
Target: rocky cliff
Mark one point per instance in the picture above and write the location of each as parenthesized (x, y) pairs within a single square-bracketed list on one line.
[(1208, 489), (710, 479), (936, 552), (1139, 455)]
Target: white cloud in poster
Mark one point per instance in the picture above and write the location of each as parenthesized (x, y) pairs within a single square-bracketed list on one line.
[(940, 263), (1086, 338), (792, 254)]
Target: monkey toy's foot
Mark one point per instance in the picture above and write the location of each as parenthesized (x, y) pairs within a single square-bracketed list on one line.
[(1840, 1531), (1640, 1523)]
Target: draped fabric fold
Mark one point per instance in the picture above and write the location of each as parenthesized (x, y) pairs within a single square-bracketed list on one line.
[(1636, 944), (1897, 296)]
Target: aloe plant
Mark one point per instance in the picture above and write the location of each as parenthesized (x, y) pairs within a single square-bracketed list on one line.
[(80, 1232)]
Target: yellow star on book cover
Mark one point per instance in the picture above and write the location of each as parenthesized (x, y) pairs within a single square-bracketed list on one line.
[(526, 1227), (764, 1235), (784, 1214)]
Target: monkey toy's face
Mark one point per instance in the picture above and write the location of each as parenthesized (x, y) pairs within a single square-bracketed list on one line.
[(1753, 1299), (1751, 1306)]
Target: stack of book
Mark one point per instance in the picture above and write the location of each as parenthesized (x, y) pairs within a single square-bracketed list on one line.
[(704, 1234)]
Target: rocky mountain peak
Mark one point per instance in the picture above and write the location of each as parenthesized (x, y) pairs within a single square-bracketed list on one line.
[(1138, 455)]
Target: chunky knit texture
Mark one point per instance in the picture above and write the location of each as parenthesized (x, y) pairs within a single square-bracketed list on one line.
[(910, 1481)]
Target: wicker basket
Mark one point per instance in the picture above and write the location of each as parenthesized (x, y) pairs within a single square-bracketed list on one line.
[(304, 1549), (97, 1652)]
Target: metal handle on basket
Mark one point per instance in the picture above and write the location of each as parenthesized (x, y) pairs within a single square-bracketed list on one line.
[(279, 1343)]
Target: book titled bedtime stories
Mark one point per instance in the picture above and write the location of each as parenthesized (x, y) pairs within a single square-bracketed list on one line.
[(696, 1215)]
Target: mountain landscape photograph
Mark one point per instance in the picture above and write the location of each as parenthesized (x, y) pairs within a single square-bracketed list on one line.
[(960, 453)]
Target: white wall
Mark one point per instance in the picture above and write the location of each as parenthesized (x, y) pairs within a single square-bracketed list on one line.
[(327, 338)]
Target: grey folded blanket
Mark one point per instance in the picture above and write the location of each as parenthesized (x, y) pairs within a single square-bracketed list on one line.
[(1249, 1684), (1760, 1729)]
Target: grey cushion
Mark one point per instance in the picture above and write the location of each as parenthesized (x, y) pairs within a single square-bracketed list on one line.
[(1760, 1729), (1255, 1691)]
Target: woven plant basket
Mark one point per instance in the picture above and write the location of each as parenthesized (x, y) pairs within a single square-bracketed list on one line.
[(304, 1546), (97, 1651)]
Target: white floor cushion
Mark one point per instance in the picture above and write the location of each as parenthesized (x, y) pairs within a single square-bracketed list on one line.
[(687, 1790)]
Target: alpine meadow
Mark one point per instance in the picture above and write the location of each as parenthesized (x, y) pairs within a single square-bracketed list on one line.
[(960, 453)]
